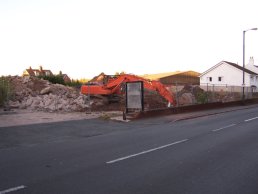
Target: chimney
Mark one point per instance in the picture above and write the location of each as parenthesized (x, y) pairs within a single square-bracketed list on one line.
[(251, 61), (40, 68)]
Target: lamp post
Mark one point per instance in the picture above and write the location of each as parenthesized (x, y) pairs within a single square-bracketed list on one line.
[(243, 95)]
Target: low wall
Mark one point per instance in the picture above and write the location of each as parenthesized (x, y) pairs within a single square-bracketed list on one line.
[(193, 108)]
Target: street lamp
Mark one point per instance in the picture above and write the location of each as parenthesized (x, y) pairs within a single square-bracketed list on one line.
[(243, 95)]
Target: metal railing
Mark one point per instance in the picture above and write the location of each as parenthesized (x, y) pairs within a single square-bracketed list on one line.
[(186, 95)]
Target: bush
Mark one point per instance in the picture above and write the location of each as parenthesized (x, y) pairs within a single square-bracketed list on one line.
[(5, 90), (74, 83), (55, 79), (58, 79), (202, 98)]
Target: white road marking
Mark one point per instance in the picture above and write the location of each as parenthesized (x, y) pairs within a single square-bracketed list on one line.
[(251, 119), (12, 189), (145, 152), (223, 127)]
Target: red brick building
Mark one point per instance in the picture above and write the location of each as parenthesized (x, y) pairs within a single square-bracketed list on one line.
[(37, 72)]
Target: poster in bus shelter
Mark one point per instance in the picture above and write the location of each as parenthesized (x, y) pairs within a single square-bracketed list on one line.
[(134, 95)]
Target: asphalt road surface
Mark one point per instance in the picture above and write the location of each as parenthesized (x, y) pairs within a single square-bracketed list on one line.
[(211, 154)]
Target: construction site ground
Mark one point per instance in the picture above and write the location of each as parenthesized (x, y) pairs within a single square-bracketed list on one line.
[(25, 117)]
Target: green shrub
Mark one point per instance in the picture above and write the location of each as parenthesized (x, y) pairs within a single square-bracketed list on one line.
[(5, 90), (58, 79), (74, 83), (55, 79), (202, 98)]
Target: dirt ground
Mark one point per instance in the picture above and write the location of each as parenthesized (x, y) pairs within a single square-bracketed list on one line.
[(26, 117)]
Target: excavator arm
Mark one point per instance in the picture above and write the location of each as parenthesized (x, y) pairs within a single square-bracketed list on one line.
[(162, 90)]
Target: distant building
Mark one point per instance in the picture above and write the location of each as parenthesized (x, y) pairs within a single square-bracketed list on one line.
[(99, 79), (65, 77), (37, 72), (44, 72), (178, 77)]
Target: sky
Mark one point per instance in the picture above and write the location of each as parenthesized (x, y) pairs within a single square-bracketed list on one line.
[(83, 38)]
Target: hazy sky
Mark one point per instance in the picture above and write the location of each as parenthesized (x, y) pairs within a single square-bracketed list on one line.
[(86, 37)]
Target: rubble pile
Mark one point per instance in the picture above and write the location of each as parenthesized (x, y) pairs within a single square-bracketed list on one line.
[(189, 95), (38, 94), (152, 100)]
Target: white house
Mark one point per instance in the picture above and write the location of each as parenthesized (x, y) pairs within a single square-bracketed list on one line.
[(231, 74)]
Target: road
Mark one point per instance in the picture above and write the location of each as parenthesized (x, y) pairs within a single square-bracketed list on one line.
[(211, 154)]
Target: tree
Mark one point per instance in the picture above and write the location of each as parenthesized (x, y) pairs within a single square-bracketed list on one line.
[(55, 79)]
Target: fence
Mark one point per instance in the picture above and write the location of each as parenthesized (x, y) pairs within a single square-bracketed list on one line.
[(226, 93), (186, 95), (208, 93)]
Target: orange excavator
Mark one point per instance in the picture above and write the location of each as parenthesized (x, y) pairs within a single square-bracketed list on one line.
[(108, 85)]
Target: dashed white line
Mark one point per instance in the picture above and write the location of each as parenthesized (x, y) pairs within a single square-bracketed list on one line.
[(251, 119), (145, 152), (12, 189), (164, 146), (223, 127)]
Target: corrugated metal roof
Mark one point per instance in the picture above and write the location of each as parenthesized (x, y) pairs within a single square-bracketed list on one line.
[(163, 75)]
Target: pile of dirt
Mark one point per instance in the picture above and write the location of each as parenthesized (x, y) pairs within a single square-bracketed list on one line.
[(152, 100), (103, 103), (189, 95), (37, 94)]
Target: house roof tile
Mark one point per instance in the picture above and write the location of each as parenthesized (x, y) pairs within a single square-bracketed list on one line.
[(241, 68), (31, 72)]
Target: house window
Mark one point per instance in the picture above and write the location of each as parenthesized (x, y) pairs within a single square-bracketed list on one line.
[(209, 79), (219, 79)]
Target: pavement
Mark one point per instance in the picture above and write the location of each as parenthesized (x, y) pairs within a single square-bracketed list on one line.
[(18, 117)]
